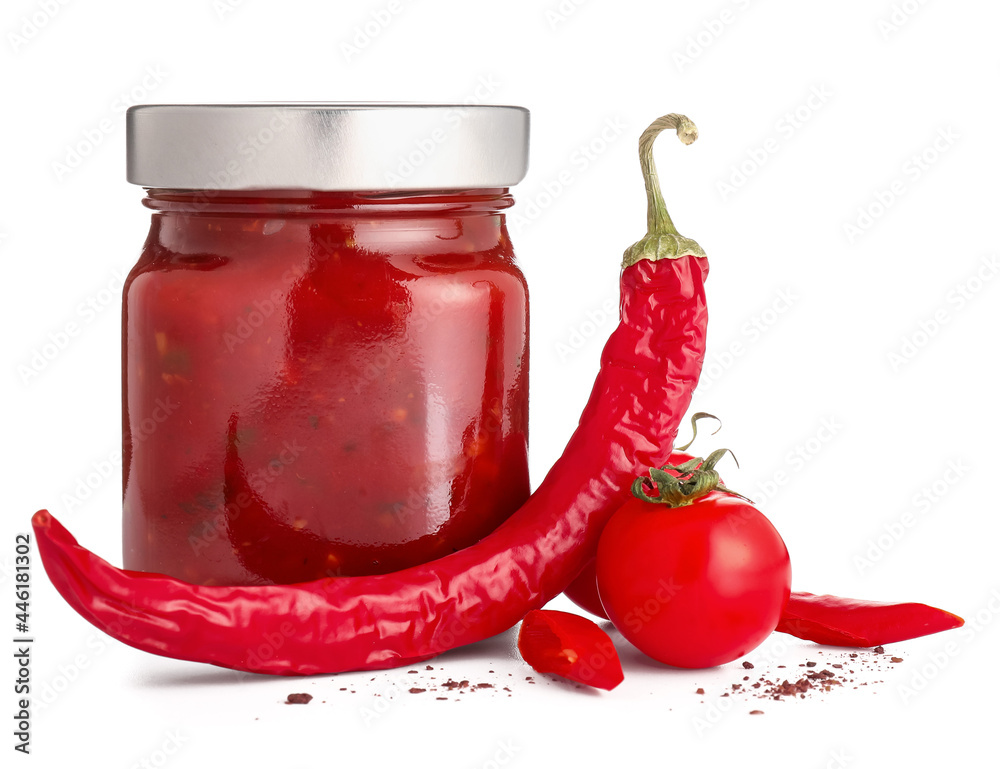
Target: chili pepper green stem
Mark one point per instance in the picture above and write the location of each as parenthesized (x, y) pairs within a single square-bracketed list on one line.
[(662, 240)]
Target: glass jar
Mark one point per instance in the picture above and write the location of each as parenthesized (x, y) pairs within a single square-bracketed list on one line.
[(325, 339)]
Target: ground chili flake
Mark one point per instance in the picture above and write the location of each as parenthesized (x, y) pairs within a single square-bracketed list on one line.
[(417, 690), (811, 680), (824, 674), (756, 712), (879, 650), (300, 698), (748, 665)]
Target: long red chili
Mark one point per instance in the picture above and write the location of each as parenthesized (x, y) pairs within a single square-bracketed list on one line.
[(835, 621), (649, 368)]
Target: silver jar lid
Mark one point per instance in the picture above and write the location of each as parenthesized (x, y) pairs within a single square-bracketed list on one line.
[(326, 146)]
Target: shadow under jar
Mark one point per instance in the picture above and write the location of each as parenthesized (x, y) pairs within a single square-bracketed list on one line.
[(324, 359)]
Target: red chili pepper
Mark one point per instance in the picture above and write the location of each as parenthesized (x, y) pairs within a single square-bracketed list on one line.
[(828, 619), (649, 369), (570, 646)]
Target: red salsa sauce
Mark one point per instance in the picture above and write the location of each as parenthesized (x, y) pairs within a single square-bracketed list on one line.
[(320, 383)]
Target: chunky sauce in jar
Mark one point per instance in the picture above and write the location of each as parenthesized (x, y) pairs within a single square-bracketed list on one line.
[(321, 382)]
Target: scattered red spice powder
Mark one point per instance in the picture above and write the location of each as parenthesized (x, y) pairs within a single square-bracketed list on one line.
[(812, 681), (300, 698)]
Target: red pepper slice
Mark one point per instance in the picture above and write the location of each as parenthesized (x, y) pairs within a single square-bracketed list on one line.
[(570, 646), (835, 621)]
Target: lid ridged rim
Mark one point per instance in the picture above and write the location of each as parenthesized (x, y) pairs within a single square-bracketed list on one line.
[(356, 146)]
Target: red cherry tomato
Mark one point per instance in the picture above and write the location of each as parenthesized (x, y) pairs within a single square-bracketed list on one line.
[(583, 590), (693, 586)]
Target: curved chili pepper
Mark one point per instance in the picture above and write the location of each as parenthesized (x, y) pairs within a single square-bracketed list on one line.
[(835, 621), (649, 369)]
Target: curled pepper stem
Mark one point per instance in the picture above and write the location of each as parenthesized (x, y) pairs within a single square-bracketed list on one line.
[(662, 240), (686, 483), (658, 221)]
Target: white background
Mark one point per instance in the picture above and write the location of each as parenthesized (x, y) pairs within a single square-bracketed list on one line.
[(878, 470)]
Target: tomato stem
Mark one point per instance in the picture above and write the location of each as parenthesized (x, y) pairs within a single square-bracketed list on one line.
[(685, 483), (694, 428)]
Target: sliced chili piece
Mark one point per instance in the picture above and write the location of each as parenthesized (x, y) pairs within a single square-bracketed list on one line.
[(570, 646), (836, 621)]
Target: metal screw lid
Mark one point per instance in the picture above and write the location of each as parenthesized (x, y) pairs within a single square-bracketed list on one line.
[(326, 146)]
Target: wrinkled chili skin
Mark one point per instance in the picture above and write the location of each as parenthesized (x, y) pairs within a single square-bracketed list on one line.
[(649, 368), (836, 621)]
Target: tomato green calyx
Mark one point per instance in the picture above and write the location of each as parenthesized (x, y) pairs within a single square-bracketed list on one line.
[(662, 240), (694, 428), (679, 485)]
